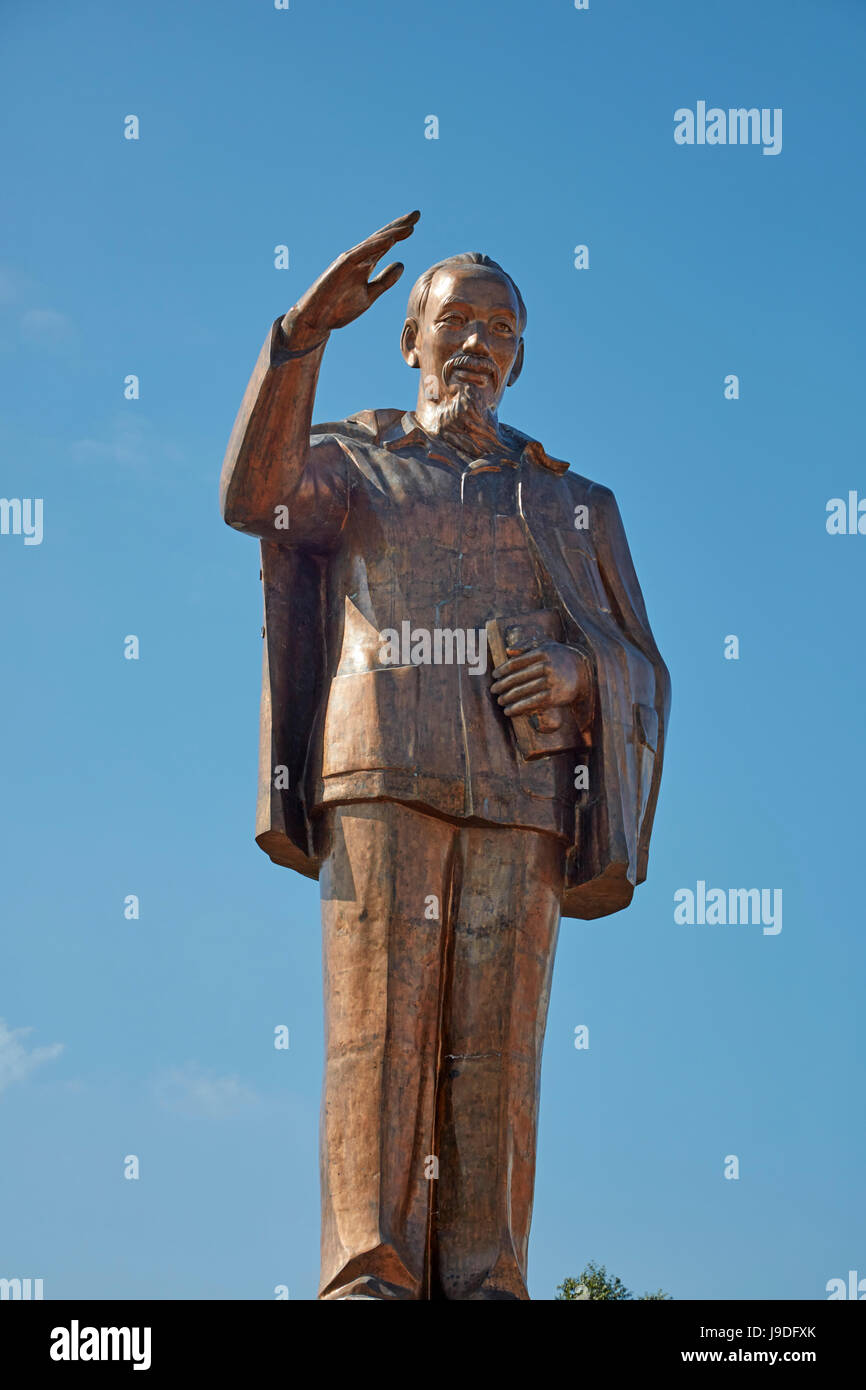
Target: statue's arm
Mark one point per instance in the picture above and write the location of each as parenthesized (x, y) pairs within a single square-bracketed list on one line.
[(269, 464), (269, 450), (270, 437), (621, 582), (651, 718)]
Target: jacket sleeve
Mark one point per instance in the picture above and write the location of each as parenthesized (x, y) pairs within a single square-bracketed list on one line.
[(276, 482), (651, 718)]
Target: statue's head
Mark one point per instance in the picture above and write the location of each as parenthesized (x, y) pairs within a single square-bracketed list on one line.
[(463, 331)]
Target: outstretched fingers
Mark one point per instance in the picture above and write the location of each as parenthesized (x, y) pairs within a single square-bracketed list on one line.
[(385, 279), (373, 248)]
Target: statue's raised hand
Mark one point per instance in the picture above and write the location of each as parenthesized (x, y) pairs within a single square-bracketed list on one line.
[(344, 291)]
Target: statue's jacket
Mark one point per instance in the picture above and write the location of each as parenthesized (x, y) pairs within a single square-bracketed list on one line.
[(328, 733)]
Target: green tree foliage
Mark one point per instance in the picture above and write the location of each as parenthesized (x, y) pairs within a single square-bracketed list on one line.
[(595, 1284)]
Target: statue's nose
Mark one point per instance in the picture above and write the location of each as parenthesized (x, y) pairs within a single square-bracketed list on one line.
[(476, 342)]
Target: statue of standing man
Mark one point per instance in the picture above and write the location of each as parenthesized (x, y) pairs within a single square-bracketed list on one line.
[(463, 716)]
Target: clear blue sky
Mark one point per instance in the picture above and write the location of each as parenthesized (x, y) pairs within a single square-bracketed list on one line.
[(155, 1037)]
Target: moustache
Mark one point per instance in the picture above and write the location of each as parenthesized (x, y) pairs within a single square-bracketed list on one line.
[(468, 363)]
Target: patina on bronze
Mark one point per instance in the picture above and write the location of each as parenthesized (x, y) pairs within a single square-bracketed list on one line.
[(451, 812)]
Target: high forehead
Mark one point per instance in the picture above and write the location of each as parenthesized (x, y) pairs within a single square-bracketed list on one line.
[(477, 285)]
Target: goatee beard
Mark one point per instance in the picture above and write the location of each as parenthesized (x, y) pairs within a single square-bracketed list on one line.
[(466, 422)]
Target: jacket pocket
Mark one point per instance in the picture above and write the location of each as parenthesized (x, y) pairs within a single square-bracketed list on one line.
[(372, 720)]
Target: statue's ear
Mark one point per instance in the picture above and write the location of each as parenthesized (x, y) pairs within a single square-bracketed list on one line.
[(518, 366), (408, 341)]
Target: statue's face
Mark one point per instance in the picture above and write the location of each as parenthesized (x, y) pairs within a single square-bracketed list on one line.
[(469, 334)]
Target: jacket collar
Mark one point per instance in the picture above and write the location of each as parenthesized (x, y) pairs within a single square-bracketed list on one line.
[(408, 433)]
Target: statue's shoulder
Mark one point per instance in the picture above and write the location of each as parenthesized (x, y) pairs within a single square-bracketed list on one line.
[(579, 486), (366, 426)]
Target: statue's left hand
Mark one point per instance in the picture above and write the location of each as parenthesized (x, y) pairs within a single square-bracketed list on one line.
[(540, 678)]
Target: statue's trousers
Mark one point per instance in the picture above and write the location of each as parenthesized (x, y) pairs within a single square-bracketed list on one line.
[(438, 941)]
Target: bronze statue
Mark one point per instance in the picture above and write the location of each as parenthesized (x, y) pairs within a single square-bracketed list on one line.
[(451, 812)]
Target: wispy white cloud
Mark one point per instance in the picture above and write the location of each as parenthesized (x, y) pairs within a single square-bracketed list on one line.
[(37, 327), (13, 285), (192, 1090), (46, 328), (128, 442), (17, 1062)]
